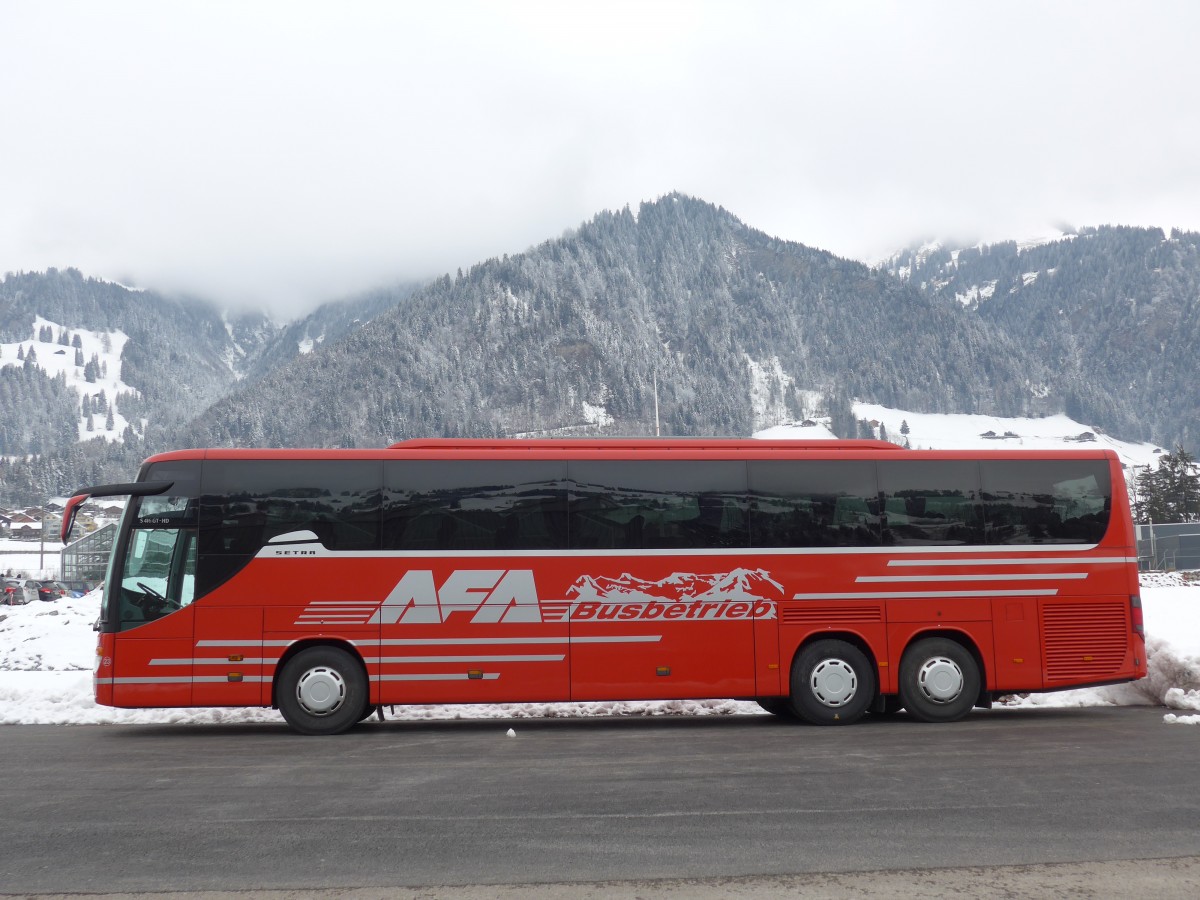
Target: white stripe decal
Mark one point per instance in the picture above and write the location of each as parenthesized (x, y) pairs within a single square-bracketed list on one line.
[(204, 679), (1017, 561), (320, 552), (1041, 576), (488, 676), (246, 643), (900, 595), (466, 642), (215, 661), (390, 660)]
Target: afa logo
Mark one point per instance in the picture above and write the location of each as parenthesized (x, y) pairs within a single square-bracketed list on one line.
[(492, 595), (510, 595)]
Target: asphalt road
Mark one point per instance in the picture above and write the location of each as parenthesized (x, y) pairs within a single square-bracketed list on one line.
[(406, 804)]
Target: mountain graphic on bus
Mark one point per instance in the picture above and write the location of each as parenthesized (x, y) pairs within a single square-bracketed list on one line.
[(748, 585)]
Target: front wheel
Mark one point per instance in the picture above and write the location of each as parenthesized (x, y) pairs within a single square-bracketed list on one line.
[(833, 683), (322, 690), (939, 680)]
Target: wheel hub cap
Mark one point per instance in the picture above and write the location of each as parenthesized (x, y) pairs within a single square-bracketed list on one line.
[(940, 679), (321, 691), (834, 683)]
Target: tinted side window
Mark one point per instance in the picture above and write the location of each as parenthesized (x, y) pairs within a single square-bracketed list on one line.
[(657, 504), (245, 503), (1061, 501), (931, 502), (474, 505), (817, 503)]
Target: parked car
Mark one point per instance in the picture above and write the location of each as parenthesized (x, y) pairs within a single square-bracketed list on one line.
[(43, 590), (77, 588), (14, 593)]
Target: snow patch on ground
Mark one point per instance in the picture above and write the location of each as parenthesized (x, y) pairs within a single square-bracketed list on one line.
[(47, 652)]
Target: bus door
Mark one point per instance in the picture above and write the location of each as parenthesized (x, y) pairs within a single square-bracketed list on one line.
[(148, 602)]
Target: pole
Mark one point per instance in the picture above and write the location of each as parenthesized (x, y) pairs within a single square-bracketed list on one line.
[(657, 431)]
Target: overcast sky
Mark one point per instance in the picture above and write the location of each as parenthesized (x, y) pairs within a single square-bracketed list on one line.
[(287, 153)]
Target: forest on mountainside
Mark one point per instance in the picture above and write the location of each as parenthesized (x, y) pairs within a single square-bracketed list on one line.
[(740, 330)]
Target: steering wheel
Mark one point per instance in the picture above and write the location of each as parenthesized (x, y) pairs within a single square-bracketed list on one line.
[(152, 602)]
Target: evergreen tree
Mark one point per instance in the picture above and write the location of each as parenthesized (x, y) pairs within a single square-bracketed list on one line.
[(1170, 493)]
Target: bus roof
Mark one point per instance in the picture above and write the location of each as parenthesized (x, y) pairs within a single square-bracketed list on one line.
[(630, 448), (700, 443)]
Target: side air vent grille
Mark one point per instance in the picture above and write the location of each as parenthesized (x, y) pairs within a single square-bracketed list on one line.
[(1085, 641), (808, 614)]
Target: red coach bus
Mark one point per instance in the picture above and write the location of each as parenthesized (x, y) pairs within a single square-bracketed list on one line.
[(823, 579)]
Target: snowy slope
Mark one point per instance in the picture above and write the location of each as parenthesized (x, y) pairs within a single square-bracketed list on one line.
[(56, 359), (951, 431)]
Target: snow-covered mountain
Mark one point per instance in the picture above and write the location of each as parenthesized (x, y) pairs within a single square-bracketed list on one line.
[(739, 331)]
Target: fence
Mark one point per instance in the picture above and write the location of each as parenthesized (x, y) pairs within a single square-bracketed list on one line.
[(1169, 547)]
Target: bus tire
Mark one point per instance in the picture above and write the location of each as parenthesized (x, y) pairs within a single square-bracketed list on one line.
[(322, 690), (939, 680), (832, 683)]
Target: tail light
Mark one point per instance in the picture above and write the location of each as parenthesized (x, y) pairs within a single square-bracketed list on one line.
[(1135, 615)]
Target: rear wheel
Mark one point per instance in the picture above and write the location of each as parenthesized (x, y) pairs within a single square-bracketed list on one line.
[(832, 683), (322, 690), (939, 680)]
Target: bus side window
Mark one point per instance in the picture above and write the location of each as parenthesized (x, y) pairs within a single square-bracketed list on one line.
[(931, 502), (814, 503), (1061, 501), (657, 504), (473, 505)]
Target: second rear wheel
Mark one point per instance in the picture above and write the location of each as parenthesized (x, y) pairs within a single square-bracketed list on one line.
[(939, 680)]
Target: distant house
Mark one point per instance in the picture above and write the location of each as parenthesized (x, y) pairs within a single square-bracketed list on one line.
[(990, 435)]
